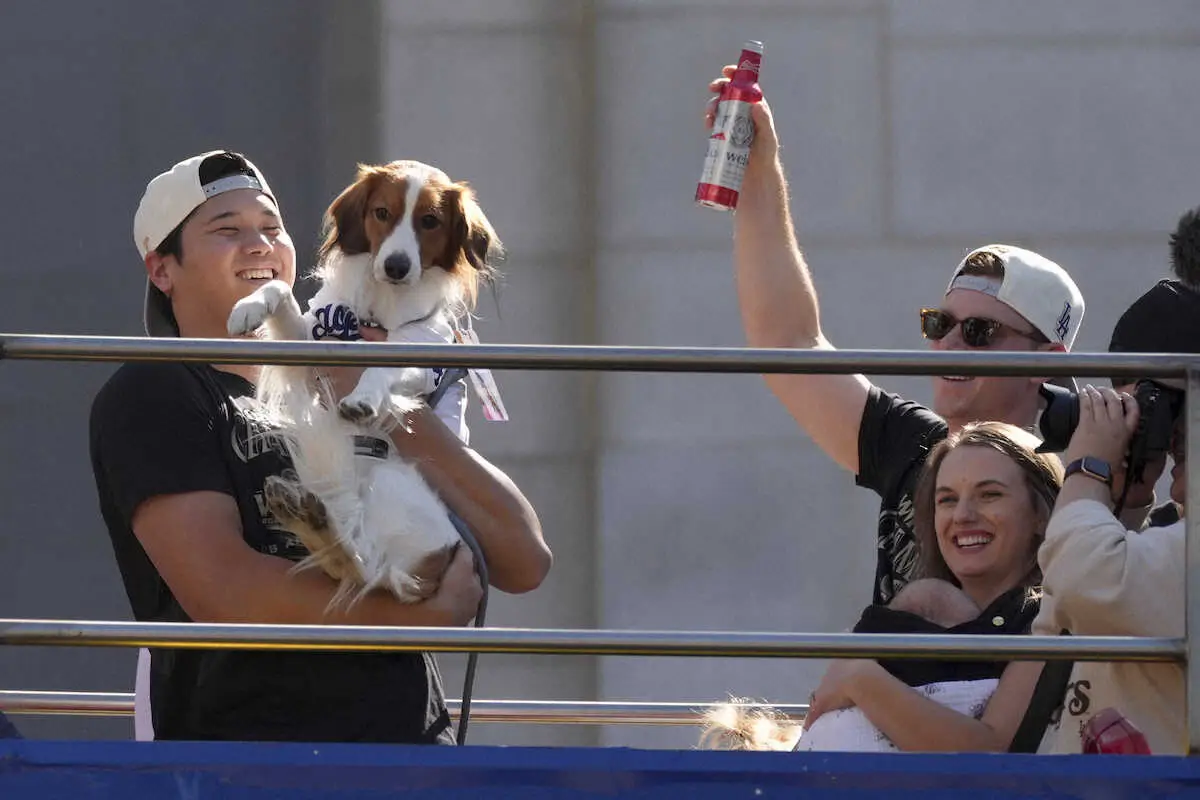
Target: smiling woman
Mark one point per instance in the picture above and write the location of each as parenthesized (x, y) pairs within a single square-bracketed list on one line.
[(982, 506)]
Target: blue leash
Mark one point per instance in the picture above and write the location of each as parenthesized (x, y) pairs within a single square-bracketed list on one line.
[(449, 378)]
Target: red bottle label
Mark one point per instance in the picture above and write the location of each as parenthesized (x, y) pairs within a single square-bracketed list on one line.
[(731, 137)]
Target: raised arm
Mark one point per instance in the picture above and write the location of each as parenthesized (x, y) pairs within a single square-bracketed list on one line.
[(778, 302), (195, 542)]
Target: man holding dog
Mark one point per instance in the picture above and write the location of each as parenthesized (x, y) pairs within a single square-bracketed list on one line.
[(179, 456), (999, 298)]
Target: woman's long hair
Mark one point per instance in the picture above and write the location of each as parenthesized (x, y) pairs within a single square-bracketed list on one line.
[(1043, 477)]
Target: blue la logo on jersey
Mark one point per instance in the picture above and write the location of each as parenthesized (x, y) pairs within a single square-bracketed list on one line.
[(335, 322)]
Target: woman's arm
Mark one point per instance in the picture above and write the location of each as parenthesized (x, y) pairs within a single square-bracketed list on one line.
[(915, 723)]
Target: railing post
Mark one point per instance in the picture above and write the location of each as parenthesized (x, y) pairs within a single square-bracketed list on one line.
[(1192, 555)]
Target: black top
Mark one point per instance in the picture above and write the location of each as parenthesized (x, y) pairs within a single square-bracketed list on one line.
[(1164, 515), (160, 429), (894, 438), (1012, 613)]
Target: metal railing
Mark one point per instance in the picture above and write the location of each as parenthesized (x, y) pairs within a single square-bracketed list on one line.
[(556, 712), (647, 643), (522, 641)]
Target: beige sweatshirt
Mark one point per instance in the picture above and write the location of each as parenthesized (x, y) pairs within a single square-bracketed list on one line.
[(1102, 580)]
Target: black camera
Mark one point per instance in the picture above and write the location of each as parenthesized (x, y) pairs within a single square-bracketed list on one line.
[(1158, 406)]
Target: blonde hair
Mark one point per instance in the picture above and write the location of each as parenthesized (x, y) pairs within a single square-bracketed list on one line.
[(1043, 477)]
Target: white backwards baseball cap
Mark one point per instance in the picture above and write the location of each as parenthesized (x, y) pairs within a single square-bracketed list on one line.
[(1036, 288), (170, 198), (1033, 286)]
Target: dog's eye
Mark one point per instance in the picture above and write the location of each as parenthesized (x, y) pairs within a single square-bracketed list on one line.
[(382, 214), (429, 222)]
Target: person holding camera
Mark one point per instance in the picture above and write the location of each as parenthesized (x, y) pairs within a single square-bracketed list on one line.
[(1173, 298), (999, 297), (1099, 577)]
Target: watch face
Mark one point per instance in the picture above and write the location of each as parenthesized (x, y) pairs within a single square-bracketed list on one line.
[(1097, 467)]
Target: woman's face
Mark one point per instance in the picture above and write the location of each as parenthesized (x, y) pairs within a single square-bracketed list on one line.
[(984, 517)]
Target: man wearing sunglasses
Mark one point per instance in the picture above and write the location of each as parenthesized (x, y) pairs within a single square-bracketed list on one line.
[(999, 298)]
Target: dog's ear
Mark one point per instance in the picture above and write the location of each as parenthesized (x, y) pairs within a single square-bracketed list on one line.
[(473, 240), (345, 218)]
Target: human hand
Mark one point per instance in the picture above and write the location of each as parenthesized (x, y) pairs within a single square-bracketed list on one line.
[(836, 690), (457, 599), (1107, 421), (766, 142), (343, 380), (1141, 493)]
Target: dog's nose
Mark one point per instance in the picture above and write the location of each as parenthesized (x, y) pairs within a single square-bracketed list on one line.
[(397, 265)]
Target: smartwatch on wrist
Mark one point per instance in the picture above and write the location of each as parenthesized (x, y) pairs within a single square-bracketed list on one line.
[(1094, 468)]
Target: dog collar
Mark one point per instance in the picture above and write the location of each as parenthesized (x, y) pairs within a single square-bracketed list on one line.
[(372, 446)]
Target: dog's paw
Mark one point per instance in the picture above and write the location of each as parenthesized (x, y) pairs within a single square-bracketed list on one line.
[(248, 315), (289, 502), (251, 312), (282, 498), (361, 406)]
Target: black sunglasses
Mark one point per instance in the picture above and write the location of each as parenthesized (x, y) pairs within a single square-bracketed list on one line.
[(976, 331)]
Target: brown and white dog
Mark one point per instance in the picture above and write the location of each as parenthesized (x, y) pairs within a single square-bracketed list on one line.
[(406, 249)]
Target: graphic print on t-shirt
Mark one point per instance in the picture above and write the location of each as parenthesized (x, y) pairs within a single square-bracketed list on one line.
[(898, 549), (256, 443)]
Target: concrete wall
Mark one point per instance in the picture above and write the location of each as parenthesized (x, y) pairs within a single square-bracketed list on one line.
[(498, 94), (912, 131), (97, 99)]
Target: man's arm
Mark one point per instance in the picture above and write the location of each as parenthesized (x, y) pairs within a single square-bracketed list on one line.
[(486, 499), (1105, 580), (504, 521), (195, 542), (779, 303)]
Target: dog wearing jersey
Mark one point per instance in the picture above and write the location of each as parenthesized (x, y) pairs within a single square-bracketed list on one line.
[(406, 249)]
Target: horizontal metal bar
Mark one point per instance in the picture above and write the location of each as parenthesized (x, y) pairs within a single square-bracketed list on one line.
[(616, 359), (86, 704), (551, 712), (559, 712), (196, 635)]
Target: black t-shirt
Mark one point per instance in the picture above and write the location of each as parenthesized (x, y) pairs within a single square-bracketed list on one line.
[(161, 429), (1010, 614), (894, 438)]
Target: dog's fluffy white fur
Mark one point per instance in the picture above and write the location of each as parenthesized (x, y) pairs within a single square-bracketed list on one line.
[(383, 524), (741, 724), (368, 521)]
